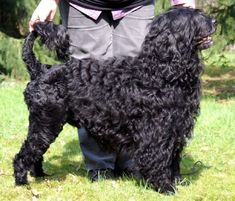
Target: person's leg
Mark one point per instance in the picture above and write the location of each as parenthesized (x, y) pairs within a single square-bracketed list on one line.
[(123, 37), (94, 157), (89, 38), (130, 31), (128, 36)]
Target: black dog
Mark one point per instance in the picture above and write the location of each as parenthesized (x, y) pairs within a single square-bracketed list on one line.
[(147, 104)]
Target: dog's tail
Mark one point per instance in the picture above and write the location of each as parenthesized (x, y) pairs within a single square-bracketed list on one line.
[(55, 37)]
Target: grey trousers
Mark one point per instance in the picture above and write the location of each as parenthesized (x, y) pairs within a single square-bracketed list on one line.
[(104, 38)]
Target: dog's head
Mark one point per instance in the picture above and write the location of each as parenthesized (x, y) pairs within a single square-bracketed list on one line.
[(205, 26), (181, 31)]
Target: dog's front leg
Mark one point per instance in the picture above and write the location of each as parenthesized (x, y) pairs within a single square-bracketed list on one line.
[(176, 165), (154, 162)]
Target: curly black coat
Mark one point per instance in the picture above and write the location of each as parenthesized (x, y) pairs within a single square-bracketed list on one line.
[(147, 104)]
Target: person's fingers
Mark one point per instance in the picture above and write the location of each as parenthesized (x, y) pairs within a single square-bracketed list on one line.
[(45, 10), (31, 23), (35, 18), (51, 16), (190, 5)]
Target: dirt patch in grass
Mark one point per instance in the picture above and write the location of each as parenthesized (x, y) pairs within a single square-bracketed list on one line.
[(219, 82)]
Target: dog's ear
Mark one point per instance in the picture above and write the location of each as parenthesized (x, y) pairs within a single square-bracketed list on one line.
[(170, 44), (172, 34)]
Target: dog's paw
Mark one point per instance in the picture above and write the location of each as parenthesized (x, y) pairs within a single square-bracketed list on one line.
[(21, 182), (167, 189)]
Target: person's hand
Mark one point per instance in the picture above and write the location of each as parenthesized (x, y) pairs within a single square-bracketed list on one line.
[(45, 11), (184, 3), (190, 4)]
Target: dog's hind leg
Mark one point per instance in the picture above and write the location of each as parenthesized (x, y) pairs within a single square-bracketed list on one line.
[(44, 127)]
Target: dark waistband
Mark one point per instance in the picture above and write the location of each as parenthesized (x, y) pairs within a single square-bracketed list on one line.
[(110, 4)]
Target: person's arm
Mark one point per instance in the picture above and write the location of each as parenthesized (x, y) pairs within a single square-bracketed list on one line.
[(45, 10), (186, 3)]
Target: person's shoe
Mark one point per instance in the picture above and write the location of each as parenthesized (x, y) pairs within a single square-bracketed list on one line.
[(99, 174)]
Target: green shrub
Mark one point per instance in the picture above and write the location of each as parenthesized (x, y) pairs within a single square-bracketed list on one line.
[(11, 63), (14, 17)]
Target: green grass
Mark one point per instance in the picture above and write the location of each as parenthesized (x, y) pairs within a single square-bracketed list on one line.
[(213, 144)]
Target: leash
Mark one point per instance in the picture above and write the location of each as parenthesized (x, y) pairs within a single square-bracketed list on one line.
[(197, 167)]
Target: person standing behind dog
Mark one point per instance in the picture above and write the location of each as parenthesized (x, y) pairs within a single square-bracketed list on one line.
[(102, 29)]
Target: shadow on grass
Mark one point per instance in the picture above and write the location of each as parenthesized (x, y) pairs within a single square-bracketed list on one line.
[(190, 172), (66, 165), (219, 82), (191, 169)]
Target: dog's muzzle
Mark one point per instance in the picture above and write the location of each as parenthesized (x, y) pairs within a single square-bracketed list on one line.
[(205, 42)]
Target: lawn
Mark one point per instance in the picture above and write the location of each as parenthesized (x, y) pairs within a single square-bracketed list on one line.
[(213, 145)]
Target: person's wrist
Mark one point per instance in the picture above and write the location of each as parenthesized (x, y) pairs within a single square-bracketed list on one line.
[(181, 3), (50, 1), (189, 5), (184, 5)]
